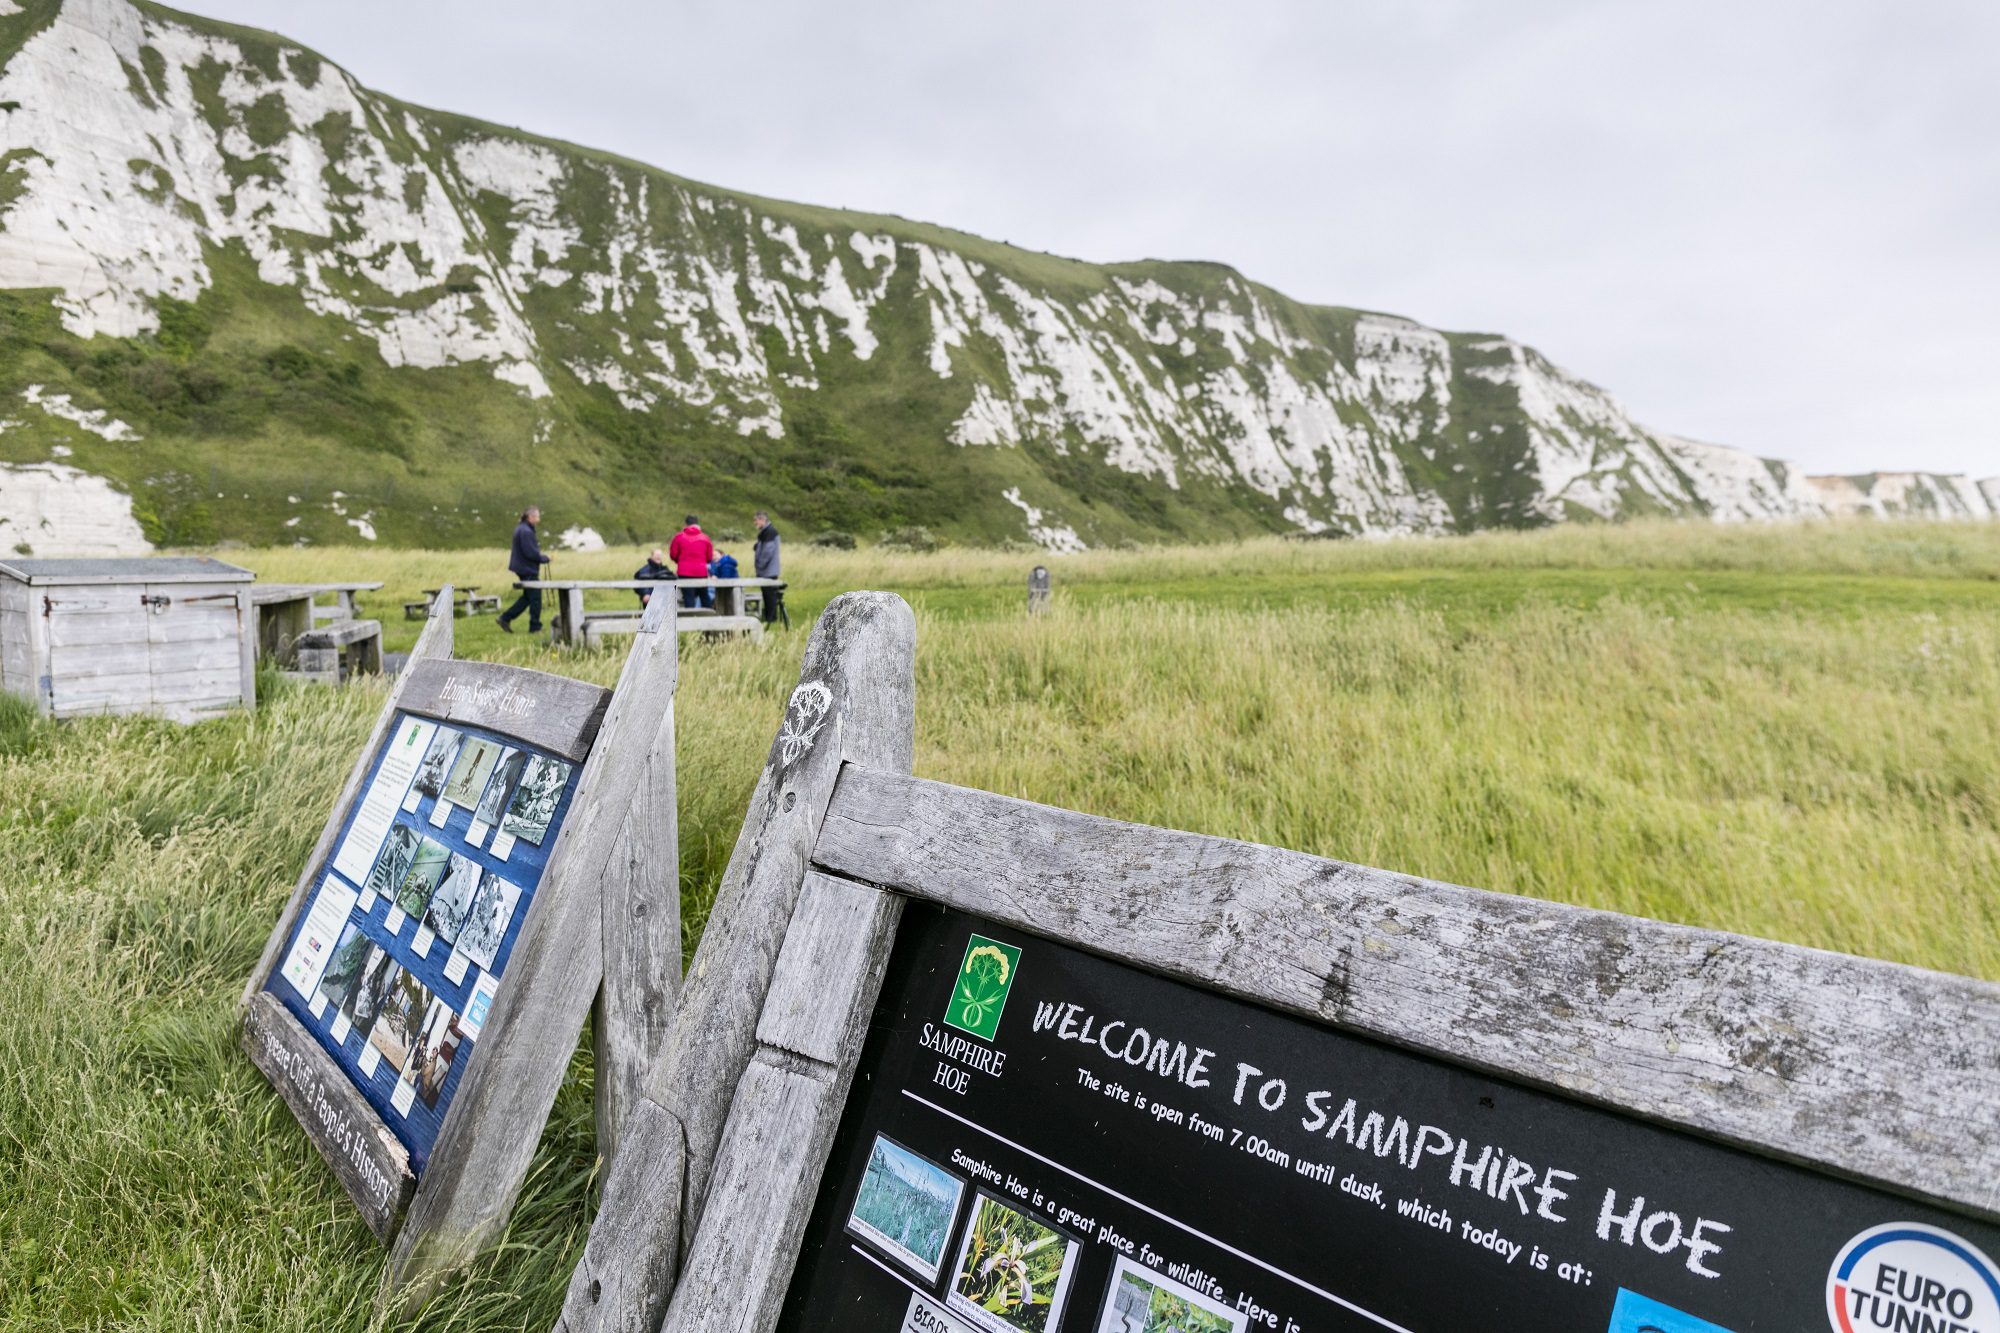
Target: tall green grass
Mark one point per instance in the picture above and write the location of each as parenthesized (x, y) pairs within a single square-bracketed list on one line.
[(1819, 767)]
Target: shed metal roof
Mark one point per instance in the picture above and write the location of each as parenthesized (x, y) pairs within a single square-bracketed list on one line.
[(135, 569)]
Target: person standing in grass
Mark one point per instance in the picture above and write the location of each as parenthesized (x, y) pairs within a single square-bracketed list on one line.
[(525, 562), (691, 550), (764, 560)]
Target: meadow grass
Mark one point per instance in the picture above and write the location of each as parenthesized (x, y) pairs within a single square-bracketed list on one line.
[(1787, 732)]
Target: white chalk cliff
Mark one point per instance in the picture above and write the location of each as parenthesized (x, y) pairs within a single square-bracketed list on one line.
[(136, 146)]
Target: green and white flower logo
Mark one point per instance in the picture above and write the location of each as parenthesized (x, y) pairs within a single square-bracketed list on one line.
[(980, 992)]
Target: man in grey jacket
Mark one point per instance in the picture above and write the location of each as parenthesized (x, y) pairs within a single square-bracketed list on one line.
[(766, 565)]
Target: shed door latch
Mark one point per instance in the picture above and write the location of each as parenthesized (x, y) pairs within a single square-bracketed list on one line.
[(154, 602)]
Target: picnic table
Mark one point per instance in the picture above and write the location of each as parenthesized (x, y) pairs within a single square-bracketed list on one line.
[(465, 601), (572, 625), (287, 610)]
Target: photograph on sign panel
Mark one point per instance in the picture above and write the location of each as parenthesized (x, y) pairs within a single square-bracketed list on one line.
[(452, 902), (393, 862), (437, 760), (500, 786), (1013, 1272), (1142, 1301), (470, 771), (343, 967), (364, 1000), (905, 1207), (404, 1003), (426, 868), (437, 1047), (535, 798), (492, 910)]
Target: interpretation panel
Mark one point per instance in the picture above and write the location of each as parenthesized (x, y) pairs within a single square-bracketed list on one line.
[(1040, 1139), (403, 943)]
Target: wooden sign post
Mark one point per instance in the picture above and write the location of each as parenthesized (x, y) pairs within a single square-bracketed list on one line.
[(1015, 1069), (1038, 590), (504, 854)]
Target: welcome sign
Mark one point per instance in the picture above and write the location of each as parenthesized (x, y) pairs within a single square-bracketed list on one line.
[(1119, 1152), (956, 1062)]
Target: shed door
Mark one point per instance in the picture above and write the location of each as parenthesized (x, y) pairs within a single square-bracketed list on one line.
[(195, 646), (99, 655)]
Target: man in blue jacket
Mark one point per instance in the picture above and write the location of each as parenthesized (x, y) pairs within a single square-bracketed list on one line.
[(525, 562)]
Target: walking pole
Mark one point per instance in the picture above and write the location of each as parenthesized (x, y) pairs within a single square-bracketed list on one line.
[(547, 573)]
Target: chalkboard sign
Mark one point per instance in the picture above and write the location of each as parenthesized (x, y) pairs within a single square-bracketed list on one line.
[(1046, 1141), (954, 1062), (494, 865)]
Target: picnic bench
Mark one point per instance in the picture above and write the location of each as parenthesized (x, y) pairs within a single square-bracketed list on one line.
[(339, 650), (572, 625), (466, 601), (287, 610)]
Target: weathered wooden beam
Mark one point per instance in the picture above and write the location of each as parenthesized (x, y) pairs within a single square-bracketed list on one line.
[(338, 1120), (786, 1109), (855, 700), (614, 1286), (1880, 1072), (559, 714), (640, 917), (502, 1105), (433, 643)]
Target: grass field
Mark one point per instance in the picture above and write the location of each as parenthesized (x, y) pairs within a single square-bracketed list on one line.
[(1788, 732)]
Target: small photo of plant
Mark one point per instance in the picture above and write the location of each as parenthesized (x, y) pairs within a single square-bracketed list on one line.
[(1013, 1272)]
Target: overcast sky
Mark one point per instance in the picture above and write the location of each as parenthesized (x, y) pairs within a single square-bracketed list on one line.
[(1771, 225)]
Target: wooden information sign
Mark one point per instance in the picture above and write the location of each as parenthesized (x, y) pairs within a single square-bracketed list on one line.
[(420, 998), (1116, 1078)]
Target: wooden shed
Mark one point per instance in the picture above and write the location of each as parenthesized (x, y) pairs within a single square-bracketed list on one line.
[(174, 635)]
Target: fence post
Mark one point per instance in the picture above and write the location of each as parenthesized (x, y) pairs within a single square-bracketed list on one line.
[(1038, 590)]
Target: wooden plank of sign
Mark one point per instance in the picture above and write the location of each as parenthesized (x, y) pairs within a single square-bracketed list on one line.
[(338, 1120), (498, 1113), (828, 954), (433, 643), (555, 713), (786, 1109), (1805, 1055), (618, 1295), (641, 913), (856, 699)]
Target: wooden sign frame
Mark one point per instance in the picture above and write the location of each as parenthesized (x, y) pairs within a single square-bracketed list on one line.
[(1795, 1054), (602, 927)]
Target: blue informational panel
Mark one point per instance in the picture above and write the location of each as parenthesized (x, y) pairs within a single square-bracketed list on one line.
[(394, 962)]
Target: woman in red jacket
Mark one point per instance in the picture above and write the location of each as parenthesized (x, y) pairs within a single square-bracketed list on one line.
[(691, 550)]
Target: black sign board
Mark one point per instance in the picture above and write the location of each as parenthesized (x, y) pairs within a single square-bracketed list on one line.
[(1041, 1139)]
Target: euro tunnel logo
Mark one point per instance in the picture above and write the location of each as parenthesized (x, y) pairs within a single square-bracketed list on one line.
[(979, 994), (1905, 1275)]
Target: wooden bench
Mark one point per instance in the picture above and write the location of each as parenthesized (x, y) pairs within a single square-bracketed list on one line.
[(570, 625), (465, 601), (599, 625), (339, 650), (478, 604), (287, 610)]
